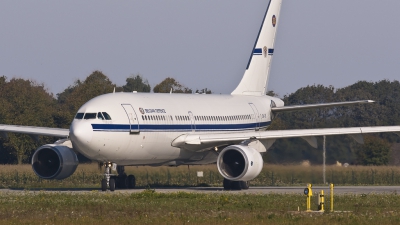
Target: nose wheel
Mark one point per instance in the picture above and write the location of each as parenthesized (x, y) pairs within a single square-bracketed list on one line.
[(113, 181), (109, 179)]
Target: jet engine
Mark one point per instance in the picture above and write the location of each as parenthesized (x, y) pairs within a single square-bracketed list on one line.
[(54, 161), (239, 163)]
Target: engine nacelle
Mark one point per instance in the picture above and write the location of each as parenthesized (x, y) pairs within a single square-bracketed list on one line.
[(239, 163), (54, 161)]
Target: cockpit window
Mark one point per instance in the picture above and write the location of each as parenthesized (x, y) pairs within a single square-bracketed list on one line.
[(100, 116), (79, 116), (89, 116), (106, 116)]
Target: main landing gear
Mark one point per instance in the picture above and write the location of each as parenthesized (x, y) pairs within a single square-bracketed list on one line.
[(235, 185), (120, 181), (125, 181)]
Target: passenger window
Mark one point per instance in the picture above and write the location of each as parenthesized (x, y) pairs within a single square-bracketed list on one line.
[(99, 116), (79, 116), (89, 116), (106, 116)]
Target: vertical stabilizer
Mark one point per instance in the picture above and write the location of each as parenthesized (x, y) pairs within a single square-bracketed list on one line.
[(255, 78)]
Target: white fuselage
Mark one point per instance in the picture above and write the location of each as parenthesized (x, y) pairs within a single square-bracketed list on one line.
[(143, 126)]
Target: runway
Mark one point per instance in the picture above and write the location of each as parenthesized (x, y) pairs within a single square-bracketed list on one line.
[(341, 190)]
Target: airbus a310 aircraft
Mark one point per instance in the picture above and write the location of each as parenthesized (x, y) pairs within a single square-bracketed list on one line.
[(131, 129)]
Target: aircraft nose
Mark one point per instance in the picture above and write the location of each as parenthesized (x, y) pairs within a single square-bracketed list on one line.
[(81, 131)]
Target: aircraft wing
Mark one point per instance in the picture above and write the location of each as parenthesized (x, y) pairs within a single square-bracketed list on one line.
[(35, 131), (192, 140), (313, 106)]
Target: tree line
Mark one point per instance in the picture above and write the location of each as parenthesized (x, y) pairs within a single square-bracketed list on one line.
[(375, 150), (25, 102)]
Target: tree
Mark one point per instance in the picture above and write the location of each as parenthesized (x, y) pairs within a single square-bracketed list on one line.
[(386, 111), (24, 102), (3, 80), (375, 151), (78, 94), (272, 94), (170, 83), (136, 83), (204, 91)]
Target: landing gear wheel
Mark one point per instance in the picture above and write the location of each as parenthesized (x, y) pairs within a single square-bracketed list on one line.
[(245, 185), (131, 180), (120, 170), (104, 185), (236, 185), (112, 184), (227, 184), (122, 181)]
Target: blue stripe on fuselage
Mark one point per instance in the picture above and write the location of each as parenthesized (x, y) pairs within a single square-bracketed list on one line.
[(177, 127)]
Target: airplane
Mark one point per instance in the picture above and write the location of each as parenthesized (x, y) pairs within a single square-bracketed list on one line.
[(135, 129)]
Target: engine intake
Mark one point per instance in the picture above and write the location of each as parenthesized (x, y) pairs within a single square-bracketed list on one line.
[(54, 161), (239, 163)]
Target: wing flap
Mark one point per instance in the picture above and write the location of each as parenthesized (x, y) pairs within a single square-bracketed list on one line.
[(44, 131)]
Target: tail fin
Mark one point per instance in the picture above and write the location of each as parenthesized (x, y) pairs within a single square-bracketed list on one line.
[(255, 78)]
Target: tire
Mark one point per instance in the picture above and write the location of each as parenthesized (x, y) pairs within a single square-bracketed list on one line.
[(120, 170), (112, 184), (237, 185), (245, 185), (131, 180), (122, 181), (104, 185), (227, 184)]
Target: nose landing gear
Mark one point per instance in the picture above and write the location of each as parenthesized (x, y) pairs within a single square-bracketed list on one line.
[(120, 181), (108, 180)]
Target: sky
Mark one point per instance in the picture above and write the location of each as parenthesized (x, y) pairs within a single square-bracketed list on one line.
[(202, 44)]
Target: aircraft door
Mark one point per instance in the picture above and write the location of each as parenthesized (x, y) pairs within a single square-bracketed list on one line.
[(132, 117), (192, 121), (256, 115)]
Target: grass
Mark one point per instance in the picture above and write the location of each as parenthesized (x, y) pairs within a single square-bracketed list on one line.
[(89, 176), (151, 207)]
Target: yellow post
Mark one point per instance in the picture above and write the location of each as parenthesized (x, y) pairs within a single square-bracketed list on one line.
[(308, 193), (331, 186), (322, 201)]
